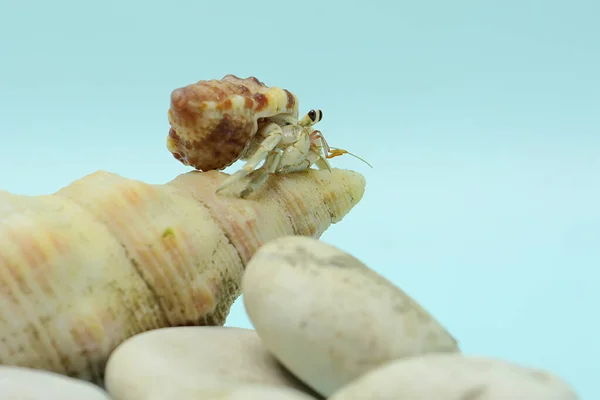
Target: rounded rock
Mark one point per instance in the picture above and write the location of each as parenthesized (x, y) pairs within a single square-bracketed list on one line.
[(453, 376), (19, 383), (329, 318), (198, 360), (249, 392)]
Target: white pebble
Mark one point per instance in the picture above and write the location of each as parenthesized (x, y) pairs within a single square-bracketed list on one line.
[(453, 376), (329, 318), (185, 360), (17, 383), (249, 392)]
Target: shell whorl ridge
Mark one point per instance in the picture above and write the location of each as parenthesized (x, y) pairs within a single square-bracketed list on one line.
[(213, 121), (107, 257)]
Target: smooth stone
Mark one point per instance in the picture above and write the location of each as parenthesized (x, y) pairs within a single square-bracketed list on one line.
[(250, 392), (19, 383), (328, 317), (452, 377), (192, 360)]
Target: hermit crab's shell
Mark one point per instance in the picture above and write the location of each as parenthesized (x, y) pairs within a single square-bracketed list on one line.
[(212, 122)]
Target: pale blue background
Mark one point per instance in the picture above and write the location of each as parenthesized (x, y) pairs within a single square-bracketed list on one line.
[(480, 117)]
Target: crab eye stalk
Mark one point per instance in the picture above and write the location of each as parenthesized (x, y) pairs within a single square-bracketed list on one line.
[(311, 118), (315, 115)]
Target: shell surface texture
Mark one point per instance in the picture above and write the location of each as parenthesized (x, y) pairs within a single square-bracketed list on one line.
[(107, 257), (215, 123)]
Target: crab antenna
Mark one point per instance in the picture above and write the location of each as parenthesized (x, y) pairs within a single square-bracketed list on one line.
[(338, 152)]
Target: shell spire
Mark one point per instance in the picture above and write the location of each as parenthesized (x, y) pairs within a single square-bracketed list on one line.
[(107, 257)]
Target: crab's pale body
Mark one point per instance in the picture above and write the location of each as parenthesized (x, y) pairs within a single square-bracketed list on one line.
[(215, 123)]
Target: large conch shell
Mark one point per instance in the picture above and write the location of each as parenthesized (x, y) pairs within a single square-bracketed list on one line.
[(106, 257)]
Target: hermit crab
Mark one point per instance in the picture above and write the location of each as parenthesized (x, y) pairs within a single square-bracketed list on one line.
[(214, 123)]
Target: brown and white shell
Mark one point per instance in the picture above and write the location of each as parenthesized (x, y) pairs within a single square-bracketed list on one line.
[(212, 122)]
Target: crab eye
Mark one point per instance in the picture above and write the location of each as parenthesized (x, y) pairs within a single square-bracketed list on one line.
[(315, 115)]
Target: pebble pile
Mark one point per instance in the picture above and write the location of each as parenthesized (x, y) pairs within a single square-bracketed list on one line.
[(326, 327)]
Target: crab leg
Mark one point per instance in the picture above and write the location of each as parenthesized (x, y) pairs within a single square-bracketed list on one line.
[(259, 176), (321, 161), (272, 133)]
